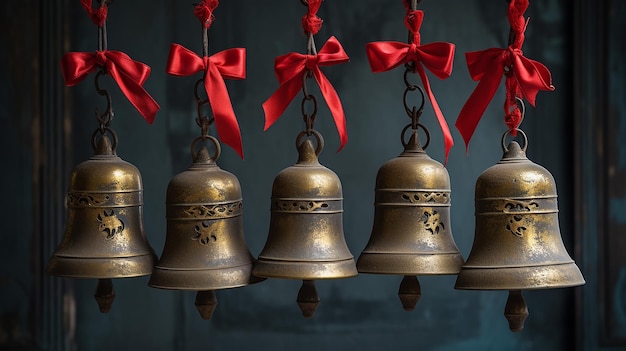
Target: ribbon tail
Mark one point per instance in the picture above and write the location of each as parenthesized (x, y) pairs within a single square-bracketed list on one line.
[(445, 130), (334, 104), (135, 93), (223, 113), (282, 97), (476, 105)]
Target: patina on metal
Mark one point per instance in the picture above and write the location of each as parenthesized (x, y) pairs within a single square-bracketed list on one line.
[(517, 243), (306, 239), (104, 235), (411, 234), (205, 248)]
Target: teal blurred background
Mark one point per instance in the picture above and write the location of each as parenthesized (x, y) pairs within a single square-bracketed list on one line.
[(47, 129)]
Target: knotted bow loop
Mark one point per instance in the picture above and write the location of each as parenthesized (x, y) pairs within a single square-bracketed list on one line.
[(311, 23), (127, 73), (290, 69), (204, 11), (98, 16), (413, 22), (437, 57), (231, 64), (488, 67)]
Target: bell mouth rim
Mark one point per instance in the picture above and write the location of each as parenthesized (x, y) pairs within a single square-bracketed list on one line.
[(101, 267), (399, 263), (546, 276), (201, 279), (305, 270)]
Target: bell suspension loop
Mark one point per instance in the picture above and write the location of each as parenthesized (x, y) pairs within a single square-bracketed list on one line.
[(306, 240), (411, 232), (517, 218)]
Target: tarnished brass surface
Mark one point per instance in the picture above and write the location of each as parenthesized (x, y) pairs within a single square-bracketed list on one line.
[(517, 243), (411, 234), (205, 248), (306, 239), (104, 235)]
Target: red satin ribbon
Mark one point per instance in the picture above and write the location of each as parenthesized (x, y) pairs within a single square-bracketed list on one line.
[(230, 64), (436, 57), (488, 67), (310, 22), (97, 16), (204, 11), (127, 73), (290, 69)]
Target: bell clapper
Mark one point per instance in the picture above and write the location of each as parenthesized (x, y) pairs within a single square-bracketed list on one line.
[(308, 298), (516, 310), (206, 302), (104, 295), (409, 292)]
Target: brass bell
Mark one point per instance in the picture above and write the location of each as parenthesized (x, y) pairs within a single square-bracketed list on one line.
[(411, 234), (517, 243), (104, 236), (306, 239), (205, 249)]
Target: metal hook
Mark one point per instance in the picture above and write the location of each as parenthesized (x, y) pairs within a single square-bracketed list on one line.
[(415, 112), (202, 121), (105, 118)]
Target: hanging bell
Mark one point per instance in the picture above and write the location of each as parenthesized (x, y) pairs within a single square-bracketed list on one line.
[(411, 234), (104, 236), (306, 239), (517, 243), (205, 249)]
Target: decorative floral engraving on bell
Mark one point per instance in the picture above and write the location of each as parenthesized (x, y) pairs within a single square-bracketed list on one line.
[(517, 243), (205, 248), (104, 236), (411, 234), (306, 239)]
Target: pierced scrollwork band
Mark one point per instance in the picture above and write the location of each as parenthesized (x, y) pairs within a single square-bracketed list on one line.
[(205, 211), (102, 199), (307, 206), (398, 197), (507, 206), (518, 213)]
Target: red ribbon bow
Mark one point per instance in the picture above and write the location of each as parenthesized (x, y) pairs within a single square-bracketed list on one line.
[(230, 64), (437, 57), (127, 73), (290, 69), (524, 77)]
